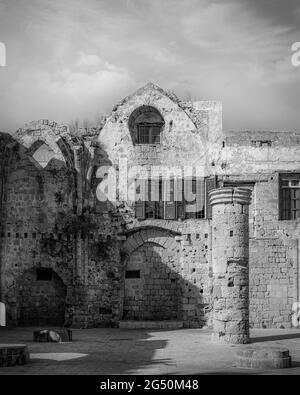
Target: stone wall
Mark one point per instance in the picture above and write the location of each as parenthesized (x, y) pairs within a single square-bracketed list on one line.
[(155, 294), (274, 262), (41, 302), (272, 280), (50, 217), (33, 198), (182, 265)]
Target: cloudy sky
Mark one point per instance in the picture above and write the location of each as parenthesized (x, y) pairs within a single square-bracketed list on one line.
[(74, 59)]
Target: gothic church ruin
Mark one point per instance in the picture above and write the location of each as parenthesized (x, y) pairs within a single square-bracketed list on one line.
[(70, 258)]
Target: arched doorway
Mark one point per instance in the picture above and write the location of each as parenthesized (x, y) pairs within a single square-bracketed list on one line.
[(151, 290), (42, 296)]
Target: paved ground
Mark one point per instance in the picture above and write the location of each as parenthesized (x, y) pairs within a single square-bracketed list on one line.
[(122, 351)]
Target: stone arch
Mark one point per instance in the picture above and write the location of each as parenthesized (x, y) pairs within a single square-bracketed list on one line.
[(32, 141), (41, 297), (155, 253), (41, 152), (160, 236), (151, 120), (151, 284)]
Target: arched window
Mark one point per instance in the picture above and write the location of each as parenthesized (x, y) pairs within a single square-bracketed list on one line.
[(145, 125)]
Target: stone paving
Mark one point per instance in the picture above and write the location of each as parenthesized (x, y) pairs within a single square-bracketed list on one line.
[(142, 351)]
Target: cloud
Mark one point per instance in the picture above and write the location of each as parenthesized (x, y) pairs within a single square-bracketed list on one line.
[(75, 58), (88, 60), (66, 94)]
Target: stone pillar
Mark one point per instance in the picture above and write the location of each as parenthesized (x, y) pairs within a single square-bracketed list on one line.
[(230, 259)]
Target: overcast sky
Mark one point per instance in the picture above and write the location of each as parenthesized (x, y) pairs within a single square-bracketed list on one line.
[(72, 59)]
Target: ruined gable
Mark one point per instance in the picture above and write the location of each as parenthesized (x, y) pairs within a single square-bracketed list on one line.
[(114, 261), (183, 138)]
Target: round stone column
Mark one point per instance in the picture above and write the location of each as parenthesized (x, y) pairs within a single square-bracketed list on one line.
[(230, 261)]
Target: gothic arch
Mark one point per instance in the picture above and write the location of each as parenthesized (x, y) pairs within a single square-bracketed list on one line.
[(162, 237), (33, 140)]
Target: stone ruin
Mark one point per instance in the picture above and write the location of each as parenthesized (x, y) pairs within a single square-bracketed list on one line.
[(69, 259)]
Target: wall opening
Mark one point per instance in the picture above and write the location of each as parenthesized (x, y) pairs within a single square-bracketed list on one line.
[(155, 293), (41, 298), (146, 125)]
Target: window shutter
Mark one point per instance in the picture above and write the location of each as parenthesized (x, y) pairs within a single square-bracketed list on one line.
[(190, 197), (140, 210), (140, 204), (298, 203), (180, 198), (154, 190), (170, 205), (170, 210), (200, 197), (156, 198), (155, 134), (211, 183), (285, 203)]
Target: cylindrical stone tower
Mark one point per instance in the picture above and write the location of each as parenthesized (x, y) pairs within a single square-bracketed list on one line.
[(230, 261)]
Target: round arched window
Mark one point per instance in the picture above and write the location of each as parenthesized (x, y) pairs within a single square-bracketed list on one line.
[(145, 125)]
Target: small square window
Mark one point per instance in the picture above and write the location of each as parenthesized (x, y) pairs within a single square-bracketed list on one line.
[(132, 274), (43, 274)]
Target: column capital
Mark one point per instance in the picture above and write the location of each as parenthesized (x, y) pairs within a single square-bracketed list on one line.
[(230, 195)]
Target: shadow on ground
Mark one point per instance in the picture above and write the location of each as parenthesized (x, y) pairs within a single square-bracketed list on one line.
[(275, 338), (109, 351), (101, 351)]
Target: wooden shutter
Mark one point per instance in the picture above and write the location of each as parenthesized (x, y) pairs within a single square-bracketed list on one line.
[(170, 204), (140, 204), (295, 199), (211, 183), (200, 197), (179, 188), (297, 203), (170, 210), (156, 198), (140, 210), (150, 203), (285, 203), (153, 190), (189, 194), (155, 134)]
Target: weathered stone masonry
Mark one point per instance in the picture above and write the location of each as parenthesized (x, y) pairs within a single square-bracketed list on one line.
[(60, 246), (230, 260)]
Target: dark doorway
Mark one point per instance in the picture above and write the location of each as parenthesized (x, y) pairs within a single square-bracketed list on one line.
[(152, 289), (42, 296)]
